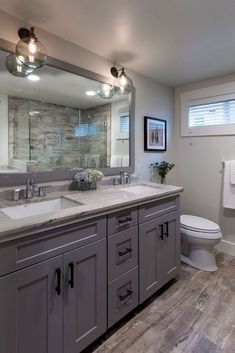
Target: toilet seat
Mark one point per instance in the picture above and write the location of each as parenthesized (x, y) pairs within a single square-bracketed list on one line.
[(199, 227)]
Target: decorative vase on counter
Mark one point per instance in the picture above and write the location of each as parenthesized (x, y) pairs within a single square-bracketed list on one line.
[(83, 185), (86, 179), (160, 170)]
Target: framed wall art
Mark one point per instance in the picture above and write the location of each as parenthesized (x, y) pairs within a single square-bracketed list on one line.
[(155, 134)]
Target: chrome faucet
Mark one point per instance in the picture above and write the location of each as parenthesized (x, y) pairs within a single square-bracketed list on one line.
[(124, 178), (30, 191), (31, 188)]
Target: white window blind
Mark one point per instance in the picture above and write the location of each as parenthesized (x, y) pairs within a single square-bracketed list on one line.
[(124, 123), (216, 113), (208, 111), (84, 130)]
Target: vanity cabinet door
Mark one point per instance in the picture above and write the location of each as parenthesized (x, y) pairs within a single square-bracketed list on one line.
[(31, 309), (171, 246), (150, 258), (159, 253), (85, 302)]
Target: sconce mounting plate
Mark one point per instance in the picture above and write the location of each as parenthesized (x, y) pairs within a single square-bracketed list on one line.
[(114, 71), (23, 33)]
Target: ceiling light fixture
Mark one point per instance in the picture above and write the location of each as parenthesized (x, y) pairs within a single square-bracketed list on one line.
[(15, 66), (106, 91), (122, 81), (30, 51)]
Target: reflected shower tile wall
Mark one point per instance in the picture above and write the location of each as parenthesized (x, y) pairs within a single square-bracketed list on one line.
[(44, 134), (53, 141)]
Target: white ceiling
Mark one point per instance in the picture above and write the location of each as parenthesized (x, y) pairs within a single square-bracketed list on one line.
[(172, 41)]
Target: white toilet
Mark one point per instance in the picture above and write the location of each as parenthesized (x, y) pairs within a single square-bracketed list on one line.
[(198, 237)]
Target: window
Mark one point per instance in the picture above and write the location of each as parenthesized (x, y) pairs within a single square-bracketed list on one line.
[(208, 111), (218, 113), (124, 124), (84, 130)]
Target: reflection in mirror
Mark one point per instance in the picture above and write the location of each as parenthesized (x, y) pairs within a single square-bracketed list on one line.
[(57, 121)]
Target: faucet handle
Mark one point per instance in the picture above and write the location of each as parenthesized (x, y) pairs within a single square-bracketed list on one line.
[(42, 190), (115, 181), (128, 178), (17, 194)]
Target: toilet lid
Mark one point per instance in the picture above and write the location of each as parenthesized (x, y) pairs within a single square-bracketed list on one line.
[(198, 224)]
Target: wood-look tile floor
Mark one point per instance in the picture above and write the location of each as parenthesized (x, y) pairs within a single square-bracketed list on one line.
[(194, 315)]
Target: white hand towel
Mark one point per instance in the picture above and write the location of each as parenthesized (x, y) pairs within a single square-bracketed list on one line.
[(229, 189), (125, 161), (115, 161), (232, 172)]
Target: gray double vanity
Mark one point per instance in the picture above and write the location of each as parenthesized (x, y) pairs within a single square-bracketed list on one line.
[(72, 264), (66, 277)]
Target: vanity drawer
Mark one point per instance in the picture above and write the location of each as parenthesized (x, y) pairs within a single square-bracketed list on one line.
[(122, 296), (41, 246), (122, 220), (122, 252), (158, 208)]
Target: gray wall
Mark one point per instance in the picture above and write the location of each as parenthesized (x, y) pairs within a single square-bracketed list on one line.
[(152, 98), (199, 170)]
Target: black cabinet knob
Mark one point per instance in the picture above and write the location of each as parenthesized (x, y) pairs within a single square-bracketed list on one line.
[(167, 229), (58, 279), (122, 253), (161, 231), (71, 268), (123, 297), (125, 220)]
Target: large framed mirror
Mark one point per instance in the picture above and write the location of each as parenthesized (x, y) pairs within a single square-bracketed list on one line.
[(58, 124)]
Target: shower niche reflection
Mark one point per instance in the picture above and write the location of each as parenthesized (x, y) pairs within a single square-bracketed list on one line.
[(60, 123)]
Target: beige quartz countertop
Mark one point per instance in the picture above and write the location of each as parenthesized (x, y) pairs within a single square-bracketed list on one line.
[(105, 199)]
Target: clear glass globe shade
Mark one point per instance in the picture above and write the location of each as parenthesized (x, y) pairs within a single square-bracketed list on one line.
[(32, 51), (15, 66), (106, 91), (124, 84)]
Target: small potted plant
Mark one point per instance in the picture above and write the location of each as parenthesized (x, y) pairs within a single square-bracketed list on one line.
[(86, 179), (161, 169)]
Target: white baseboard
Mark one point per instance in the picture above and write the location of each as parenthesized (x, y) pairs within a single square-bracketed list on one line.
[(226, 246)]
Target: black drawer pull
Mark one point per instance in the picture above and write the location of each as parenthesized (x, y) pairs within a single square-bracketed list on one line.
[(123, 297), (167, 229), (127, 219), (71, 281), (120, 253), (58, 276), (161, 229)]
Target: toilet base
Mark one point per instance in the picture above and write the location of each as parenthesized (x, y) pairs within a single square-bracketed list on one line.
[(201, 258)]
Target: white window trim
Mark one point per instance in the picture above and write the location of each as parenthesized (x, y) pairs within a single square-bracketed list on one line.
[(202, 96)]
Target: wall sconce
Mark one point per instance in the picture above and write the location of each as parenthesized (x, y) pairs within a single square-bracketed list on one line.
[(106, 91), (15, 66), (122, 81), (30, 51)]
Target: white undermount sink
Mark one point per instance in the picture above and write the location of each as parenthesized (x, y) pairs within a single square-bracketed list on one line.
[(38, 208), (141, 188)]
